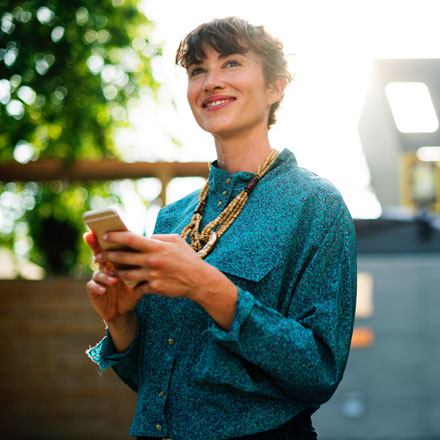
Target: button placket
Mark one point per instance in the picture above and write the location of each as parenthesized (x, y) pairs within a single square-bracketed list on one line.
[(224, 193)]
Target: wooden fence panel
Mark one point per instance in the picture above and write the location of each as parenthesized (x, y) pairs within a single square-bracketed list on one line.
[(49, 389)]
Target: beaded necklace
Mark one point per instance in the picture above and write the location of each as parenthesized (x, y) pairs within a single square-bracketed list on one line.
[(204, 242)]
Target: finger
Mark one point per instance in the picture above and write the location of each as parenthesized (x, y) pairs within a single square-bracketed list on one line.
[(93, 288), (92, 242), (141, 289), (106, 266), (132, 240), (122, 257), (104, 278), (170, 238), (138, 274)]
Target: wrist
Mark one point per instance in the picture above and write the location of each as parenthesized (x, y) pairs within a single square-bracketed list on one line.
[(217, 294), (207, 279), (121, 322), (123, 331)]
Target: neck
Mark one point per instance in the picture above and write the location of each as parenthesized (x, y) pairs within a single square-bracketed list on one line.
[(237, 154)]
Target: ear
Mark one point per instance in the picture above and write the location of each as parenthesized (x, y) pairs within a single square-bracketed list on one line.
[(276, 90)]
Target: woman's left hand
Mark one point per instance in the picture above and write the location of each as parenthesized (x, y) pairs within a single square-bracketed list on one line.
[(162, 264), (167, 265)]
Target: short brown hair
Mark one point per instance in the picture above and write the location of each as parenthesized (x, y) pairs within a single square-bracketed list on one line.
[(234, 35)]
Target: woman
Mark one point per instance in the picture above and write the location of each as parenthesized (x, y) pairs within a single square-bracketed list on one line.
[(240, 325)]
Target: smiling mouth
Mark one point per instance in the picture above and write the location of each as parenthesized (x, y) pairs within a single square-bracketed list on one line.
[(218, 103)]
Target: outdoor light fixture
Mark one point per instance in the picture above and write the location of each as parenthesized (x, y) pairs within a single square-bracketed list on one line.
[(412, 107), (429, 154), (400, 132)]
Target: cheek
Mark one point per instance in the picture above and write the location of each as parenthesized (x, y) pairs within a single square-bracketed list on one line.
[(192, 96), (192, 93), (188, 96), (254, 86)]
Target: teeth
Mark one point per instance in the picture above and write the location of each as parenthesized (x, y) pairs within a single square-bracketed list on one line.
[(214, 103)]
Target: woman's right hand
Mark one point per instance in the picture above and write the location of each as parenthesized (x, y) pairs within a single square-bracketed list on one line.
[(110, 297)]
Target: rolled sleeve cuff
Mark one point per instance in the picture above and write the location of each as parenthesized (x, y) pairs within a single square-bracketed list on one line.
[(105, 354), (245, 304)]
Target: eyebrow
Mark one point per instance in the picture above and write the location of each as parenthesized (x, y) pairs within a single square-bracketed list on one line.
[(221, 56), (192, 62)]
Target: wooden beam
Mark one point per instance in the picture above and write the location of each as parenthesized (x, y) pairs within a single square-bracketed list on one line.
[(106, 169)]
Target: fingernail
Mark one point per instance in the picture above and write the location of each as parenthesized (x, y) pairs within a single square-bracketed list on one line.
[(98, 256), (105, 237), (101, 289)]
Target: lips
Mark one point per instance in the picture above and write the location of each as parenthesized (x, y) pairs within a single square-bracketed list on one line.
[(217, 101)]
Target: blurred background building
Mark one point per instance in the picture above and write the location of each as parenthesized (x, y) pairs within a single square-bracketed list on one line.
[(391, 388), (93, 113)]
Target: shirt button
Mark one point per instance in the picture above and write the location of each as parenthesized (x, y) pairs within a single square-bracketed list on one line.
[(228, 180), (161, 394), (220, 203), (170, 341), (225, 192), (158, 427)]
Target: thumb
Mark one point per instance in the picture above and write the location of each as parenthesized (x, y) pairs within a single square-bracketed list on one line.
[(90, 239)]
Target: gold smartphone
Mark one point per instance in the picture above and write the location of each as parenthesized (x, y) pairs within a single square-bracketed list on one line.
[(107, 220), (102, 221)]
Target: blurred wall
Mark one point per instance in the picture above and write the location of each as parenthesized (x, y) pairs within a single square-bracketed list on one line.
[(49, 389), (391, 387)]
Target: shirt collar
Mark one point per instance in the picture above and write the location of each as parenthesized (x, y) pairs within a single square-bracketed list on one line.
[(218, 177)]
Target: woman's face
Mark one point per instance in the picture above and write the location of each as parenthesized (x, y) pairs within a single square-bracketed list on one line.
[(228, 95)]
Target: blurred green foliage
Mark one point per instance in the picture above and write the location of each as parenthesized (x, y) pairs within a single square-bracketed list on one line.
[(69, 72)]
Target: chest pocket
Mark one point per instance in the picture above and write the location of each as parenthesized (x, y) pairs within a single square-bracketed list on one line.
[(246, 260)]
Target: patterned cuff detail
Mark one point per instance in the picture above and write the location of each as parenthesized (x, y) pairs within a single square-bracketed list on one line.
[(105, 355)]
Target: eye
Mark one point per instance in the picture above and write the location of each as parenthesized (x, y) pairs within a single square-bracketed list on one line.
[(196, 71), (232, 63)]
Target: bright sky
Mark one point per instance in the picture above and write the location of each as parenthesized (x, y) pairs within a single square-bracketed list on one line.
[(333, 44)]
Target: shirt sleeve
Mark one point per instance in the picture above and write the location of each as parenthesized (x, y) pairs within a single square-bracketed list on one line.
[(124, 364), (304, 353)]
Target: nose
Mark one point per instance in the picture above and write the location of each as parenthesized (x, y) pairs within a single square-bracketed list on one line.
[(213, 80)]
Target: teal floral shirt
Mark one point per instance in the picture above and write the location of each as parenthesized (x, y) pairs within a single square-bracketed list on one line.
[(292, 255)]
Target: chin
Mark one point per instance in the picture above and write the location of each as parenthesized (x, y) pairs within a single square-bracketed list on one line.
[(220, 129), (223, 133)]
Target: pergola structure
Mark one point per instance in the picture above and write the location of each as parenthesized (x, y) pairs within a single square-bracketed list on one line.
[(105, 169)]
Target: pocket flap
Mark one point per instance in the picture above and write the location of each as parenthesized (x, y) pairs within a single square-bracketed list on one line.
[(248, 256)]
